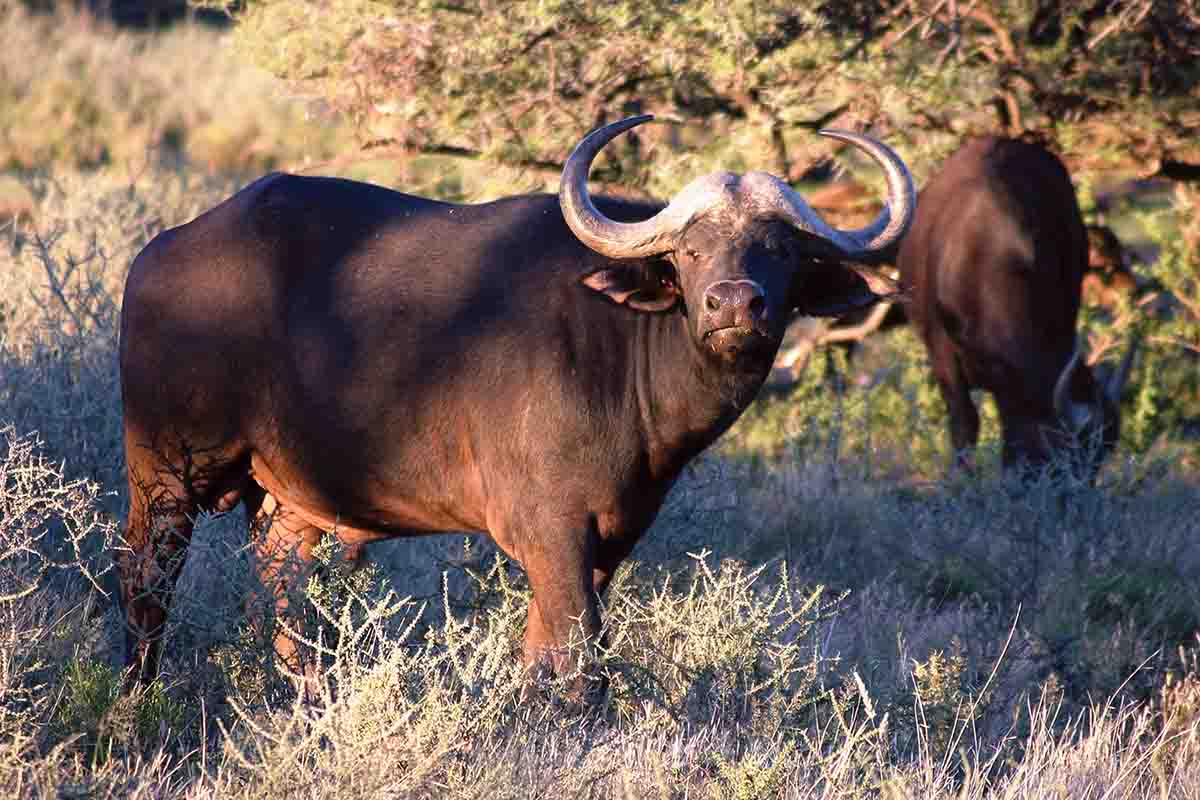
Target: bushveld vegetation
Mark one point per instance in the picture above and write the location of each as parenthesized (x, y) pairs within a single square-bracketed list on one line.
[(821, 610)]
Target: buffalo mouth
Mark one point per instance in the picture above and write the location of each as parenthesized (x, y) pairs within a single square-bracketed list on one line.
[(733, 340)]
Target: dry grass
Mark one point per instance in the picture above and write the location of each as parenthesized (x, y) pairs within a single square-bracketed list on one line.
[(860, 625), (963, 635), (100, 96)]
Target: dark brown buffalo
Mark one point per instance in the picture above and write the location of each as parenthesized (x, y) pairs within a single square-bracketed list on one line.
[(1108, 281), (346, 358), (994, 262)]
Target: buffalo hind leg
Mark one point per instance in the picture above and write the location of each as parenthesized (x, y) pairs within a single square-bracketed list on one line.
[(157, 534), (166, 491)]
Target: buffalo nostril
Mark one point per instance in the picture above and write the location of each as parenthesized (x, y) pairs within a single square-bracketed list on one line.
[(712, 303), (757, 307)]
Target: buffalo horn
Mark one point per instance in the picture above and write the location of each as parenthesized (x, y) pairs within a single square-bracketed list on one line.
[(656, 235), (627, 239), (1078, 415), (863, 244)]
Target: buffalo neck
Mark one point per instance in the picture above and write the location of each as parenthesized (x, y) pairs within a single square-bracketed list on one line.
[(685, 400)]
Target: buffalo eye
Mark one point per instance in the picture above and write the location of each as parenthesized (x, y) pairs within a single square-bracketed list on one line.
[(668, 278), (664, 275)]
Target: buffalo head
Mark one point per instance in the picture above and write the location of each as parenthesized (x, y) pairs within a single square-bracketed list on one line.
[(1092, 422), (740, 254)]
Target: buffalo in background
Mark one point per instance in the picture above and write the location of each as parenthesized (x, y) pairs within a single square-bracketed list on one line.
[(1108, 282), (995, 262)]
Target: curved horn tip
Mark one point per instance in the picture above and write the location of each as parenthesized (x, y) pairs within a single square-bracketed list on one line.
[(851, 137), (590, 226), (622, 125), (591, 144), (894, 220), (835, 133), (1061, 396)]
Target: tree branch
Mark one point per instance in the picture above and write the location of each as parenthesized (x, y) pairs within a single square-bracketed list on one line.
[(394, 148), (1003, 39), (822, 121), (1182, 171)]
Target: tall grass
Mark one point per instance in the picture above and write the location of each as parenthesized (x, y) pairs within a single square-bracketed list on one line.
[(861, 625), (76, 91), (820, 609)]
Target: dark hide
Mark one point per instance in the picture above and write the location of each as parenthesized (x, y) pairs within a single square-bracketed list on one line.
[(994, 262), (342, 356)]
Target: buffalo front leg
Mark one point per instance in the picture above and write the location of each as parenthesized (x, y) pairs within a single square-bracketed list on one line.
[(284, 545), (564, 615), (610, 552)]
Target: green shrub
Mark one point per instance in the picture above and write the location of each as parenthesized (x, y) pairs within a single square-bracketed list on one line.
[(93, 709)]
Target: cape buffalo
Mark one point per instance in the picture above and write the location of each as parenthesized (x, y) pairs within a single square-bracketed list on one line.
[(994, 263), (345, 358)]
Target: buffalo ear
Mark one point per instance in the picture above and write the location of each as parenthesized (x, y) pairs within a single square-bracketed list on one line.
[(635, 285), (833, 289)]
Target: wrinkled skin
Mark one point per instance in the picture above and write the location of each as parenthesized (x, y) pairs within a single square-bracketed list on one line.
[(339, 356), (994, 263)]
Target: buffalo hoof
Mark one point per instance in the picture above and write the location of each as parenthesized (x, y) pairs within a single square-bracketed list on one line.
[(583, 690)]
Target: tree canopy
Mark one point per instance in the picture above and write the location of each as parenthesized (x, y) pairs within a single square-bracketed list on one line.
[(1112, 84)]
